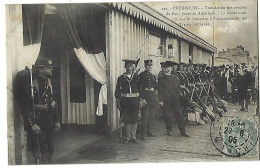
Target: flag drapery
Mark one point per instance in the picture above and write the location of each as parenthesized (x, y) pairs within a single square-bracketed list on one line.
[(33, 21), (81, 26)]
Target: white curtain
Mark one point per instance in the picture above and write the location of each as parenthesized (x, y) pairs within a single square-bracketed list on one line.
[(95, 65), (30, 52)]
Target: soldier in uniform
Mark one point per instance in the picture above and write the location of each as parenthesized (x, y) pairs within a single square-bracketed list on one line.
[(147, 85), (169, 92), (184, 91), (183, 79), (46, 119), (202, 72), (174, 68), (127, 95), (207, 73), (196, 73), (189, 74), (162, 70)]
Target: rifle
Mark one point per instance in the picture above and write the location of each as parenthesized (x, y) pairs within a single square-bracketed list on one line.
[(36, 138)]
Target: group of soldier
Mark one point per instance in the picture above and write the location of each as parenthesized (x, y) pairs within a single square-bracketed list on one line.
[(139, 94), (135, 93)]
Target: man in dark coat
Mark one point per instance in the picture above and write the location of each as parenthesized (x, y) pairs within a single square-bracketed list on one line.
[(196, 73), (127, 95), (243, 87), (44, 120), (169, 92), (148, 85)]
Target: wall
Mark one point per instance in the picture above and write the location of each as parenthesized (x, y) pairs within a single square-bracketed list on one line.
[(184, 51), (16, 135), (207, 58), (198, 57), (195, 54)]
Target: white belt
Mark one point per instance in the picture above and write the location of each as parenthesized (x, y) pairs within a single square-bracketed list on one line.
[(129, 94)]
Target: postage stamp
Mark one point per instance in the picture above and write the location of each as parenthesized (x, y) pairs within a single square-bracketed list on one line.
[(235, 136)]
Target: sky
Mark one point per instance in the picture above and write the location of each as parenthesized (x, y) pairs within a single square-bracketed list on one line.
[(228, 33)]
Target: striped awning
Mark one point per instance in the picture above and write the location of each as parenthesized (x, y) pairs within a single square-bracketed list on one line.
[(143, 12)]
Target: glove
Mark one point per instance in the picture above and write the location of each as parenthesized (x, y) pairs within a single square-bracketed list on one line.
[(236, 90), (144, 102), (161, 104), (118, 105), (57, 127), (36, 129), (53, 103), (249, 90)]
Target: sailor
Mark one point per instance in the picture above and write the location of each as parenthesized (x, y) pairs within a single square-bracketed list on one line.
[(127, 95)]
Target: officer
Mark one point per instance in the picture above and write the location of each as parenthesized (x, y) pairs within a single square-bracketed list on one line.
[(169, 92), (46, 119), (127, 95), (147, 85)]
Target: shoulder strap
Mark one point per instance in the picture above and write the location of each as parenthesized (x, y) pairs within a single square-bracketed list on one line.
[(36, 86)]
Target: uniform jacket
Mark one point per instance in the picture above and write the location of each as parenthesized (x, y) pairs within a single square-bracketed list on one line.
[(146, 80), (44, 118), (183, 79), (126, 85), (168, 87), (197, 76)]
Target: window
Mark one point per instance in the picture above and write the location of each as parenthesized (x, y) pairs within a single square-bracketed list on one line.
[(156, 45), (170, 51)]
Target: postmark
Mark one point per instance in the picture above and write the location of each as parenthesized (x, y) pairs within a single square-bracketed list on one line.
[(234, 136)]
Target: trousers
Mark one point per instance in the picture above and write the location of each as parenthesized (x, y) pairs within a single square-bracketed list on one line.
[(172, 107), (147, 113)]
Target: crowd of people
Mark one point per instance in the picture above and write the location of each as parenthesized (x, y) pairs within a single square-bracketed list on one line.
[(181, 88)]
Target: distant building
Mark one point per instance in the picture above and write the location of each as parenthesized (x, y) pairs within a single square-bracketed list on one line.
[(234, 56)]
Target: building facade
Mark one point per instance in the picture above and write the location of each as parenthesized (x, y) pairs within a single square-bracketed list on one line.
[(127, 31), (234, 55)]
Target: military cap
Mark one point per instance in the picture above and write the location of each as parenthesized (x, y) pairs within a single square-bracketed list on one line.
[(162, 64), (243, 64), (129, 61), (195, 65), (207, 68), (183, 64), (43, 62), (148, 62), (168, 63)]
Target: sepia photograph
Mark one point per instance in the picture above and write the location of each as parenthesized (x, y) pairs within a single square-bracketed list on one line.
[(132, 82)]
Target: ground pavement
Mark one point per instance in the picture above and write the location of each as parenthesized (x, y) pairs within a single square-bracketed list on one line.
[(159, 148)]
